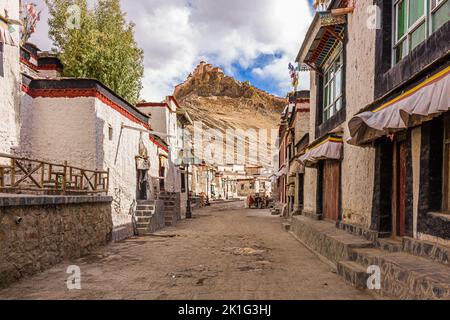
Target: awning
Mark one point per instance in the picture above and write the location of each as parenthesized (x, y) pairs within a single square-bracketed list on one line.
[(296, 167), (422, 103), (5, 34), (324, 34), (329, 149)]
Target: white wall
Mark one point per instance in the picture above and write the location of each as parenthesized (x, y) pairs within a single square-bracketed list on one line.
[(123, 173), (59, 129), (10, 85), (76, 130)]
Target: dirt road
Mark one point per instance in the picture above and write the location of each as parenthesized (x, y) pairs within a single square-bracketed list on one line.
[(226, 252)]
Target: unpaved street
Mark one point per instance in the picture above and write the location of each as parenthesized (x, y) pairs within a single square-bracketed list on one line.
[(226, 252)]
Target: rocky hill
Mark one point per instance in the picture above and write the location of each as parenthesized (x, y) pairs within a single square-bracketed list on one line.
[(222, 102)]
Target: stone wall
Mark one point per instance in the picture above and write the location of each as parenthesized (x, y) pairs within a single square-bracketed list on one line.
[(51, 230)]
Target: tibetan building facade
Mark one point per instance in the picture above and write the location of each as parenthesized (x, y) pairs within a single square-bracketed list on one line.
[(408, 122), (340, 51), (376, 166), (293, 138), (378, 155)]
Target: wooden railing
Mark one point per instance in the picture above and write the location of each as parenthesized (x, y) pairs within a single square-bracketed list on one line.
[(22, 175)]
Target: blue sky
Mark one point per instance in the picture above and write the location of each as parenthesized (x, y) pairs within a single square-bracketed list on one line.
[(252, 40)]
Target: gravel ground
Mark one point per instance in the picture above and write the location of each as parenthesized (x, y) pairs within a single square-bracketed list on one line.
[(225, 252)]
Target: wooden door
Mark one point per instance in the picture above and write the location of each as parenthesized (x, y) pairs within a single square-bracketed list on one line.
[(162, 174), (402, 154), (331, 185), (301, 191)]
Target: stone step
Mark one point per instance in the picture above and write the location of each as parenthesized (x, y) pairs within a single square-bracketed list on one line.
[(142, 231), (353, 274), (144, 213), (390, 245), (142, 225), (144, 219), (433, 251), (368, 256), (322, 236), (146, 202), (404, 276), (145, 207)]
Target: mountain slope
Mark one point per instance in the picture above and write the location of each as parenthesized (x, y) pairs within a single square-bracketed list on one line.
[(222, 103)]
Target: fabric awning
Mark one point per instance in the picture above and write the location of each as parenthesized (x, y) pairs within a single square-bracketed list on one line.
[(329, 149), (5, 34), (282, 172), (296, 167), (422, 103)]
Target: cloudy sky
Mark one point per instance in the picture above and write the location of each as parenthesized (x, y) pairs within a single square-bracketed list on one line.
[(250, 39)]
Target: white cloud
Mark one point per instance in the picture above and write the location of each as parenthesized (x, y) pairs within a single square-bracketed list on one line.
[(177, 34)]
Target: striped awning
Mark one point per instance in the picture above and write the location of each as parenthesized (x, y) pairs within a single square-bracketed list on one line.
[(328, 149), (421, 103), (5, 34)]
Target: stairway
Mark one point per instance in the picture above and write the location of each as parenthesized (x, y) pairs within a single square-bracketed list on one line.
[(409, 268), (144, 212), (170, 208), (403, 275)]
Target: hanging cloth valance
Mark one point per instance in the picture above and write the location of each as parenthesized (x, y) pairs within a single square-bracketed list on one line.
[(329, 149), (423, 102)]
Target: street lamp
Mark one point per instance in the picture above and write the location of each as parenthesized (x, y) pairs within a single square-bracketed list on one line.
[(189, 208)]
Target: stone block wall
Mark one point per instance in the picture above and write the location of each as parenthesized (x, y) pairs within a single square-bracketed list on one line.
[(50, 230), (157, 222)]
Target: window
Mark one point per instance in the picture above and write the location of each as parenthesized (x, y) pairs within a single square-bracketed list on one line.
[(440, 11), (332, 87), (110, 133), (183, 183), (414, 21)]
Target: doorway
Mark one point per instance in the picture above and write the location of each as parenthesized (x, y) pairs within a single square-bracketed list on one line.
[(162, 174), (331, 189), (301, 191), (142, 184)]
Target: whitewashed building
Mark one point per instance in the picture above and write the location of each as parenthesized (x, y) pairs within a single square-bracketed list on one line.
[(170, 119), (83, 123), (9, 75)]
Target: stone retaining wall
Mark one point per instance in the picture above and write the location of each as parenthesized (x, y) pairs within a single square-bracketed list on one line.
[(39, 232), (157, 221)]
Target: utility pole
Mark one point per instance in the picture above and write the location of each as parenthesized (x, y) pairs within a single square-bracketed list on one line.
[(188, 202)]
